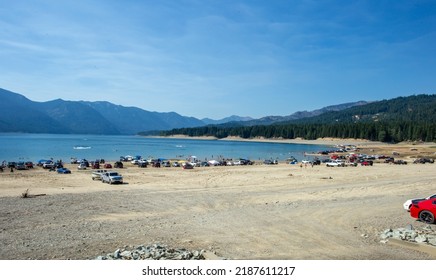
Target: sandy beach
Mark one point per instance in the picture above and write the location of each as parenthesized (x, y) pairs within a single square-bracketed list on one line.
[(239, 212)]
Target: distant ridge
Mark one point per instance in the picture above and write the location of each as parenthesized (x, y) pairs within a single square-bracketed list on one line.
[(77, 117), (81, 117), (21, 114), (411, 118), (414, 108), (302, 114), (131, 120), (232, 118)]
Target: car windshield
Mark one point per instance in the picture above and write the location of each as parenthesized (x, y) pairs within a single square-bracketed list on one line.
[(113, 174)]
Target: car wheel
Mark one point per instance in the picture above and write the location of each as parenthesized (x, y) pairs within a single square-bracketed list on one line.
[(426, 217)]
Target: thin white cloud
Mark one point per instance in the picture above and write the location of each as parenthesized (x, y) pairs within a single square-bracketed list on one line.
[(164, 54), (21, 46)]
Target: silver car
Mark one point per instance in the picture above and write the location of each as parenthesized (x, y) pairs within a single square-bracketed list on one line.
[(111, 178)]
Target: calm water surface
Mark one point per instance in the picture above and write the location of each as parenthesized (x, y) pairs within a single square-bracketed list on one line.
[(33, 147)]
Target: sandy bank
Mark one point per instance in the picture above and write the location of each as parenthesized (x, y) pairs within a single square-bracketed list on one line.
[(240, 212), (404, 149)]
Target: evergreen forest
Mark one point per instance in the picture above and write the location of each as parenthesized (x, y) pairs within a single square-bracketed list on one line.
[(410, 118)]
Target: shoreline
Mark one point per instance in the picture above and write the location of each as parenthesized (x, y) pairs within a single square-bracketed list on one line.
[(402, 150), (319, 141)]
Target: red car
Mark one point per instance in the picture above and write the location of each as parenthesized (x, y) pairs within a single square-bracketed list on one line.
[(424, 210), (367, 163)]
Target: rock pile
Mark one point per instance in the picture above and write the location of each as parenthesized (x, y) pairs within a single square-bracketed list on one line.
[(153, 252), (426, 235)]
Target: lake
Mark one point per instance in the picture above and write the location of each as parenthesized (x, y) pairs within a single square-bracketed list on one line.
[(33, 147)]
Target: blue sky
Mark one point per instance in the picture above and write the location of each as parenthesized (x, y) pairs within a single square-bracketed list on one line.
[(218, 58)]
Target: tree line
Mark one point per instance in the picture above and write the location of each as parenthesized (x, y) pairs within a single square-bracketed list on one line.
[(374, 131), (411, 118), (415, 108)]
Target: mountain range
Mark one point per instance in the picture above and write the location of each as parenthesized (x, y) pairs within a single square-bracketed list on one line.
[(411, 118), (295, 116), (20, 114)]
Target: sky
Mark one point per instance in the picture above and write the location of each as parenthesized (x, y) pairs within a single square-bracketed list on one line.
[(218, 58)]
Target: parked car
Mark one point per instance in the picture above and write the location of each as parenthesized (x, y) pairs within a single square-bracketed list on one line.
[(400, 161), (48, 164), (29, 164), (40, 162), (84, 162), (118, 164), (96, 175), (424, 210), (187, 165), (367, 163), (246, 161), (107, 166), (335, 163), (63, 171), (20, 166), (81, 166), (389, 160), (111, 178), (409, 202), (214, 162), (96, 165), (424, 160)]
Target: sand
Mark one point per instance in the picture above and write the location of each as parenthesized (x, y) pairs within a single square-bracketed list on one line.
[(239, 212)]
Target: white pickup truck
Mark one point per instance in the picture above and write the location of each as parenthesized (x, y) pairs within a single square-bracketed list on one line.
[(334, 163), (111, 177)]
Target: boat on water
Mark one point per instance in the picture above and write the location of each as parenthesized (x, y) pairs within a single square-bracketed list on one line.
[(82, 147)]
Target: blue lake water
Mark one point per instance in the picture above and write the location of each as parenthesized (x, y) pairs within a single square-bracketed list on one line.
[(32, 147)]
